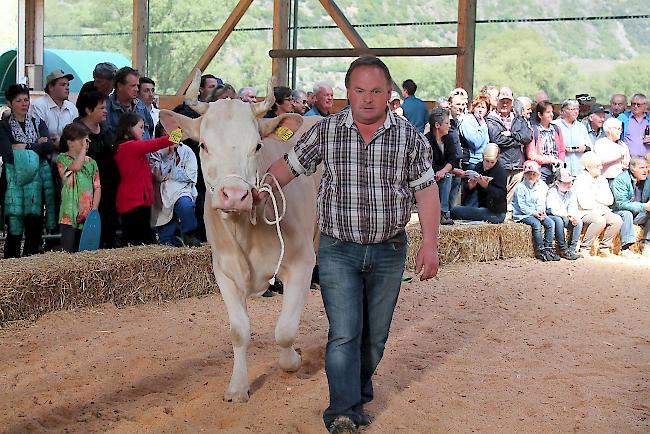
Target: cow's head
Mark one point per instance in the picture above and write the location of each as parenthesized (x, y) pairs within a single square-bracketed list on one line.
[(229, 136)]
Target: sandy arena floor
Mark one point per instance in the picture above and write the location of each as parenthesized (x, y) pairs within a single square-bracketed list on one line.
[(516, 346)]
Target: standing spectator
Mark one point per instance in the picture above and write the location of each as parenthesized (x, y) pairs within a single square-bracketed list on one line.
[(208, 85), (224, 91), (612, 151), (618, 104), (283, 102), (585, 101), (490, 188), (299, 102), (540, 96), (529, 207), (25, 146), (632, 202), (444, 159), (395, 103), (636, 126), (135, 192), (125, 100), (547, 146), (147, 94), (574, 135), (562, 208), (594, 199), (81, 189), (492, 93), (474, 135), (103, 76), (594, 123), (54, 108), (415, 110), (92, 115), (247, 94), (323, 100)]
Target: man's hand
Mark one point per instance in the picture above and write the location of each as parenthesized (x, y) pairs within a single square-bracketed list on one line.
[(440, 174), (259, 196), (581, 148), (572, 219), (42, 140), (506, 133), (472, 183), (426, 262), (483, 181)]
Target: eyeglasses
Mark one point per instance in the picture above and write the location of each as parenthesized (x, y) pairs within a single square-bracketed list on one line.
[(87, 141), (637, 104)]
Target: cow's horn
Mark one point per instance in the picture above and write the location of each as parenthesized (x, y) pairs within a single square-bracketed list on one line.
[(192, 94), (264, 106)]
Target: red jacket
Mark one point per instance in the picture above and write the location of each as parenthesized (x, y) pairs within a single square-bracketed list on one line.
[(136, 184), (534, 149)]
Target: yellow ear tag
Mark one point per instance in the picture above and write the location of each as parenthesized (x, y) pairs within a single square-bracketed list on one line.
[(284, 133), (176, 135)]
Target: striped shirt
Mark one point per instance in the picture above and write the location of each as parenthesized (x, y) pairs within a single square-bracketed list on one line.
[(366, 190)]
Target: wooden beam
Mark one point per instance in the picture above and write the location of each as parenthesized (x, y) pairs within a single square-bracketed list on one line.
[(342, 22), (466, 39), (280, 66), (139, 31), (217, 42), (29, 62), (356, 52)]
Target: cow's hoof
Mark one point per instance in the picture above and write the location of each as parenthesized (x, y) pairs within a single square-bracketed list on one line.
[(289, 360), (235, 396)]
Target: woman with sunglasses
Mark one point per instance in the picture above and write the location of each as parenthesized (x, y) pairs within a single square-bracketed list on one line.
[(24, 147), (81, 190), (283, 102)]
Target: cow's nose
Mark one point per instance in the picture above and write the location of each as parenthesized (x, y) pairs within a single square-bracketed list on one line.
[(233, 198)]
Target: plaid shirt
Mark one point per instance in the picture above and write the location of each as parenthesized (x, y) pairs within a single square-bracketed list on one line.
[(366, 190)]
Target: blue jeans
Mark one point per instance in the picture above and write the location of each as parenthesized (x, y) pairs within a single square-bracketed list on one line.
[(454, 191), (549, 228), (444, 188), (359, 285), (627, 230), (183, 211), (643, 219), (476, 214), (574, 233)]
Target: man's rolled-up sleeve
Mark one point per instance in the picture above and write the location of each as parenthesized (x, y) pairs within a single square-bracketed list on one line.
[(421, 174), (307, 154)]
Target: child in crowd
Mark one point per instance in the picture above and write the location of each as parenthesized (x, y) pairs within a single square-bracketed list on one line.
[(81, 190), (562, 207), (174, 172), (135, 191), (529, 207)]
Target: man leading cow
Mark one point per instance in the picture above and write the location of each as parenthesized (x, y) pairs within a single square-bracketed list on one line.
[(374, 163)]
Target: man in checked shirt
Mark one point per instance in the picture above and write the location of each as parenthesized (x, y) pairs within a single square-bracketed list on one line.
[(374, 163)]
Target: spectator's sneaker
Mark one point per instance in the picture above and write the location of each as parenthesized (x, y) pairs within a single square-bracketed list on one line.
[(343, 425), (190, 240), (445, 219), (629, 254), (605, 253), (584, 253), (551, 255), (541, 255), (568, 254)]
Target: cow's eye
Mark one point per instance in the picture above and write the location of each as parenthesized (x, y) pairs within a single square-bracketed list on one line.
[(259, 146)]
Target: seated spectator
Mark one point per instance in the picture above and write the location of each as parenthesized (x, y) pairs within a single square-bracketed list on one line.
[(135, 191), (490, 187), (562, 208), (612, 151), (81, 189), (299, 102), (92, 115), (394, 104), (636, 124), (547, 146), (473, 137), (103, 75), (585, 101), (283, 102), (529, 207), (617, 105), (415, 110), (323, 99), (632, 202), (444, 159), (25, 146), (147, 94), (492, 92), (594, 199), (174, 174), (223, 91), (594, 123), (574, 135), (247, 94)]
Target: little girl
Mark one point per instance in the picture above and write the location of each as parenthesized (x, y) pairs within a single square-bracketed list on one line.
[(80, 191), (135, 191)]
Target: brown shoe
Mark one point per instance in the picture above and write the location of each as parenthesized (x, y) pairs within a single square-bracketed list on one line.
[(605, 252)]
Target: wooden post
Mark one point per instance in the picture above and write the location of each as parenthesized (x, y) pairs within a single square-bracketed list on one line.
[(140, 29), (217, 42), (30, 43), (466, 41), (280, 65)]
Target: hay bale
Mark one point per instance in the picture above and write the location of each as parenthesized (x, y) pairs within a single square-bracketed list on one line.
[(516, 240), (33, 286)]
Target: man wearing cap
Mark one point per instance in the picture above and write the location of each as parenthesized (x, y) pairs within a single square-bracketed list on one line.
[(125, 99), (102, 79), (574, 135), (585, 101), (395, 103), (54, 108), (594, 122), (415, 110)]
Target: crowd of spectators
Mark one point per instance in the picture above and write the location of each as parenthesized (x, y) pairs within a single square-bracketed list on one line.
[(496, 157)]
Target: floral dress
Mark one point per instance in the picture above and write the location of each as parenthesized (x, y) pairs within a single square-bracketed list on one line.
[(77, 191)]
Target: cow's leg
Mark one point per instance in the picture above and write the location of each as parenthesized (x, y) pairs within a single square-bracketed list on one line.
[(240, 332), (296, 288)]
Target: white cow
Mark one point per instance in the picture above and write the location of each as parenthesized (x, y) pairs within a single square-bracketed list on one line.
[(244, 253)]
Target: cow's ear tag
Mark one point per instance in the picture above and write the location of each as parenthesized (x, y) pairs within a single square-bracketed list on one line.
[(284, 133), (176, 135)]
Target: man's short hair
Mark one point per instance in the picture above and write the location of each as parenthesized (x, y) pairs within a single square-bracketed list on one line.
[(438, 115), (205, 77), (368, 61), (611, 123), (105, 70), (409, 86), (122, 73), (520, 103), (568, 103), (297, 94), (147, 80), (639, 96), (637, 161), (320, 85), (243, 90)]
